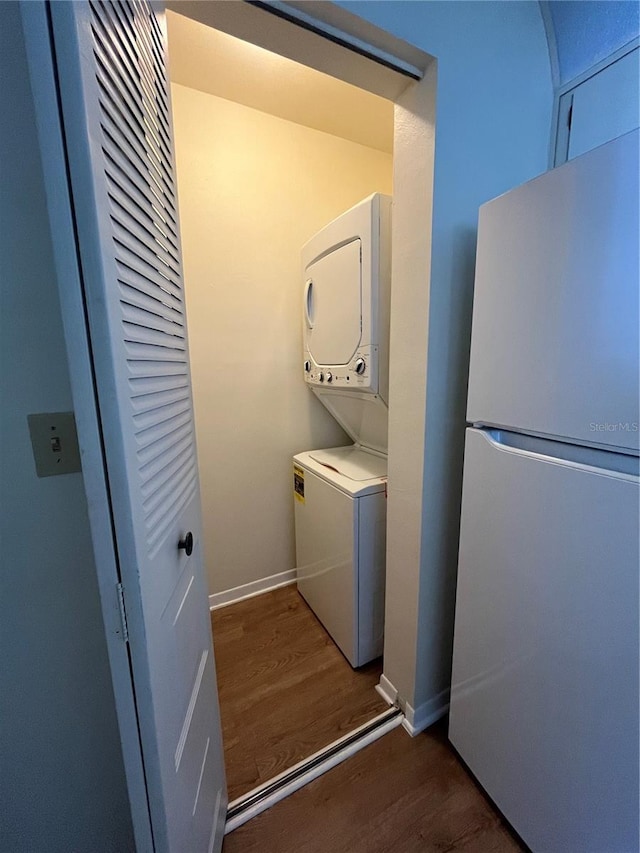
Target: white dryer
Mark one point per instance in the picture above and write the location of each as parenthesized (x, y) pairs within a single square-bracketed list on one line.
[(340, 493), (340, 519), (346, 271)]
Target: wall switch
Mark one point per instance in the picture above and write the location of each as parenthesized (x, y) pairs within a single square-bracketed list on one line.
[(55, 443)]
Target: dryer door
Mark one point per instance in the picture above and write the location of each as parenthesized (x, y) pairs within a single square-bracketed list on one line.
[(333, 305)]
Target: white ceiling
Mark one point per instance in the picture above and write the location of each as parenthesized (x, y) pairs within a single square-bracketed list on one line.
[(211, 61)]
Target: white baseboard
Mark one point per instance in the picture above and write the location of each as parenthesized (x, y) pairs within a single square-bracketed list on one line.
[(386, 689), (249, 590), (418, 719)]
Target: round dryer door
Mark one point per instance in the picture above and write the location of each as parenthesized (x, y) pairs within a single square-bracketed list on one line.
[(333, 305)]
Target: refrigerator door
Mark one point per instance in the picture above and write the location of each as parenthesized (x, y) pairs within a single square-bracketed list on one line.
[(554, 347), (544, 701)]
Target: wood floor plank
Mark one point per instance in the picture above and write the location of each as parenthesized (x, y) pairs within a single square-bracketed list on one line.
[(401, 794), (285, 688)]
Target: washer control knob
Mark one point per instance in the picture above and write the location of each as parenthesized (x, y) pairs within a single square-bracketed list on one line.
[(329, 377), (321, 376), (360, 366), (307, 367)]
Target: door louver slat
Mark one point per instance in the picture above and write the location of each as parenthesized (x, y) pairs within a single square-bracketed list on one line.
[(149, 435), (122, 57), (132, 281), (117, 83), (152, 402), (134, 157), (149, 385), (147, 251), (136, 298), (140, 67), (141, 352), (183, 489), (157, 369), (142, 318), (136, 228), (115, 118), (120, 167), (164, 491), (135, 124), (156, 451), (113, 63), (155, 486), (125, 198), (137, 334), (145, 270), (138, 164), (155, 466), (162, 414), (129, 216)]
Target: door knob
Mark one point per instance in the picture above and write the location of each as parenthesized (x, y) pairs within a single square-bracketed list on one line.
[(186, 544)]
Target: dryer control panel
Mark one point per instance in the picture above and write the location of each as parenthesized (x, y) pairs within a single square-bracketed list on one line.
[(360, 373)]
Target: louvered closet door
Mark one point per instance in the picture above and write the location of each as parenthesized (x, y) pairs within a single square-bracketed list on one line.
[(114, 92)]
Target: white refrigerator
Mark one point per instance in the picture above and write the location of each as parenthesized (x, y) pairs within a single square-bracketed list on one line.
[(545, 686)]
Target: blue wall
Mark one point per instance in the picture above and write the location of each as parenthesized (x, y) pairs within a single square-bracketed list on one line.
[(588, 31), (62, 782)]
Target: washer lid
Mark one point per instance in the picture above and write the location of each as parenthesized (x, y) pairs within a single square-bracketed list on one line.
[(361, 462), (352, 462)]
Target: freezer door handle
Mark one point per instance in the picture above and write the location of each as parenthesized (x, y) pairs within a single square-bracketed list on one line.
[(620, 466)]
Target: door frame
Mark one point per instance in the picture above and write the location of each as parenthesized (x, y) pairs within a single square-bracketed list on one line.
[(414, 130)]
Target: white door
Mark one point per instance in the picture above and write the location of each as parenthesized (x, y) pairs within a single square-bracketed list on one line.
[(116, 113)]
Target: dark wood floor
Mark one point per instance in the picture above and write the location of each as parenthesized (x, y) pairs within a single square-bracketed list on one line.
[(400, 794), (285, 688)]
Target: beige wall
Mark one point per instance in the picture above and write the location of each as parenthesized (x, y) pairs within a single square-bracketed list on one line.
[(253, 188)]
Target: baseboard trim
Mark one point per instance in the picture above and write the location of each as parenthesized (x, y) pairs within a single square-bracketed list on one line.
[(386, 689), (418, 719), (262, 798), (249, 590)]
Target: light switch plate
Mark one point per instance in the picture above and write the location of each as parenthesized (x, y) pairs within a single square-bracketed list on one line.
[(55, 443)]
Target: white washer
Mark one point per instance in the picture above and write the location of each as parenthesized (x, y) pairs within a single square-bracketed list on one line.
[(340, 519)]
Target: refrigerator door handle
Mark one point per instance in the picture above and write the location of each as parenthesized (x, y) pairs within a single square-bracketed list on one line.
[(620, 466)]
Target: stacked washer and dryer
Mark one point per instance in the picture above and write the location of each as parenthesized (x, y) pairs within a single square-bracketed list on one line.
[(340, 493)]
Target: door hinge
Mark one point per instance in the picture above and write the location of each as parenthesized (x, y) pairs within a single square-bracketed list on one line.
[(123, 613)]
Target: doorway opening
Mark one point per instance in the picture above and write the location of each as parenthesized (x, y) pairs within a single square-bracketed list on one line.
[(268, 152)]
